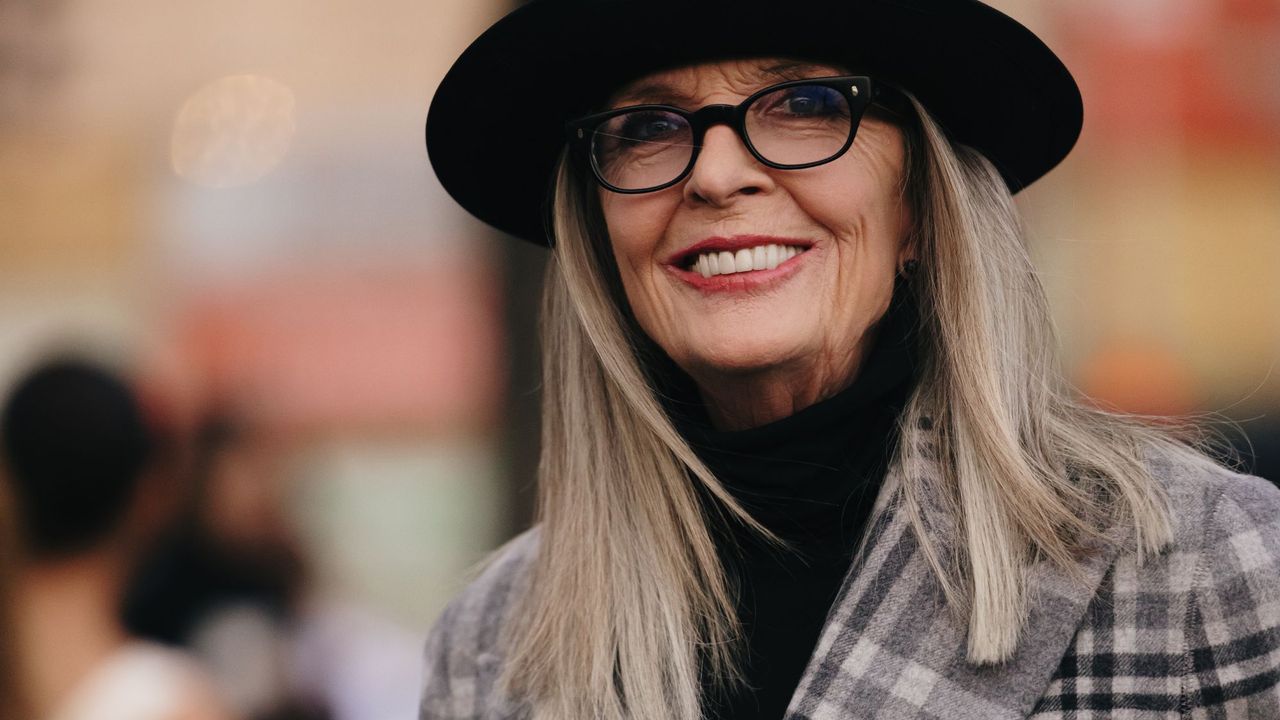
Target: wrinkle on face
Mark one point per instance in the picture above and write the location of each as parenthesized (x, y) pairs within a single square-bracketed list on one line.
[(763, 355), (685, 87)]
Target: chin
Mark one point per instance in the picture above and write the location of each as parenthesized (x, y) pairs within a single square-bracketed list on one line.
[(735, 356)]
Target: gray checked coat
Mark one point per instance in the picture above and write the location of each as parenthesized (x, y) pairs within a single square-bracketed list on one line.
[(1192, 633)]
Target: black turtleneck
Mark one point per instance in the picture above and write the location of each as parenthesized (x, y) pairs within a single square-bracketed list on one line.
[(811, 478)]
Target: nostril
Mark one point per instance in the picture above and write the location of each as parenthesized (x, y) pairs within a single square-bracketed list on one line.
[(749, 190)]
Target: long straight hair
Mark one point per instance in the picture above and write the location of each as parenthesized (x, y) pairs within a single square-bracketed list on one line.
[(629, 611)]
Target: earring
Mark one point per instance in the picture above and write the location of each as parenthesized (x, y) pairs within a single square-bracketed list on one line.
[(909, 268)]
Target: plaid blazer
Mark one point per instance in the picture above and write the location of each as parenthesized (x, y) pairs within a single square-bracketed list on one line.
[(1191, 633)]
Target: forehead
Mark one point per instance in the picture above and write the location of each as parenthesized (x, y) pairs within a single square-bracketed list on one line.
[(690, 84)]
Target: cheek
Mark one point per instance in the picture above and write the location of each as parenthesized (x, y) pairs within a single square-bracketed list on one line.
[(859, 201), (869, 178), (863, 223), (636, 225), (859, 205)]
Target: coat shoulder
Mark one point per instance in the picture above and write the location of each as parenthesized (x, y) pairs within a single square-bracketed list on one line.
[(1193, 631), (465, 646), (1227, 547), (1210, 502)]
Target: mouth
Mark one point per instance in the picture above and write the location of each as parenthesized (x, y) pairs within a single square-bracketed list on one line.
[(736, 255)]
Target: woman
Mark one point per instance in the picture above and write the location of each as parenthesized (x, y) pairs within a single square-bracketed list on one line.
[(805, 452)]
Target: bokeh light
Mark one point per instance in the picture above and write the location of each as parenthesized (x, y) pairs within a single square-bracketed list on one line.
[(233, 131)]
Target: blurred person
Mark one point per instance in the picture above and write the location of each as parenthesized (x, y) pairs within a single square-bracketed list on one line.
[(12, 700), (230, 545), (806, 449), (232, 583), (227, 581), (84, 471)]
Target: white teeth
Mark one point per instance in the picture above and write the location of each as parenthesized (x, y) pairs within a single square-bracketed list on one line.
[(701, 266), (760, 257)]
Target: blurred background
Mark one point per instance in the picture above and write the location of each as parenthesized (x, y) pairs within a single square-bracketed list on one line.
[(229, 205)]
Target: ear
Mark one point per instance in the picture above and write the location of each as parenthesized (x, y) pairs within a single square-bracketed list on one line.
[(910, 246), (910, 209)]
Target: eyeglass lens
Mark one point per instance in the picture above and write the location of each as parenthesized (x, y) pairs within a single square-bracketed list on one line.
[(796, 125)]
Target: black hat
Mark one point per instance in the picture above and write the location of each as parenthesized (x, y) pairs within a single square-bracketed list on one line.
[(496, 125)]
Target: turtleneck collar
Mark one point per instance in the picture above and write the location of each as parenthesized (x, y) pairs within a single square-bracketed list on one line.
[(801, 475)]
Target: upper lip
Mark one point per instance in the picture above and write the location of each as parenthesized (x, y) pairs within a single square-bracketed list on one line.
[(731, 244)]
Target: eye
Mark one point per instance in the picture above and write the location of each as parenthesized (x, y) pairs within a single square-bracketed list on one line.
[(806, 101), (648, 126)]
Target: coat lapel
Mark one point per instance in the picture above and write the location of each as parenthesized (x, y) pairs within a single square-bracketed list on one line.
[(891, 649)]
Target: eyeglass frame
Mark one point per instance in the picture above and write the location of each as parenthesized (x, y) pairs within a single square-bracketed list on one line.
[(859, 91)]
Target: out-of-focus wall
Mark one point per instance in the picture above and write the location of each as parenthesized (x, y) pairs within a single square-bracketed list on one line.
[(1159, 237), (233, 199)]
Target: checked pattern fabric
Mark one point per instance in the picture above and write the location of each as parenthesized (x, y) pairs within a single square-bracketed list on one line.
[(1195, 634), (1191, 633)]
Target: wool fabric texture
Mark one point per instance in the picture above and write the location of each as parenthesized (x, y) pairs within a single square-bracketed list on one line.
[(1191, 633)]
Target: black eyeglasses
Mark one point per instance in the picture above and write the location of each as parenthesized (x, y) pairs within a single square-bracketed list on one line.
[(792, 125)]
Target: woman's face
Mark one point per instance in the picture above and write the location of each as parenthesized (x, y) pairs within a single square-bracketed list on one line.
[(802, 327)]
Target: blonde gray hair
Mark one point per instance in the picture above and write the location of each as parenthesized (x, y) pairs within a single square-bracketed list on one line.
[(628, 600)]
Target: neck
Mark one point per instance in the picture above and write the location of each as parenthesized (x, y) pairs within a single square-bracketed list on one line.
[(68, 622), (746, 400)]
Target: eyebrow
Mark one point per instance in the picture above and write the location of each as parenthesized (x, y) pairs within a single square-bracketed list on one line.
[(665, 93), (794, 70)]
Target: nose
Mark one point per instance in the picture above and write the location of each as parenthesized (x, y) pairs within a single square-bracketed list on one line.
[(725, 170)]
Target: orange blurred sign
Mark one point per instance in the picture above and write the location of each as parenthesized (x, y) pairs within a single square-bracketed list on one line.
[(418, 348), (1203, 70)]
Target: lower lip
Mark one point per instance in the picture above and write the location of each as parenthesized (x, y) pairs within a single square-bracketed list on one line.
[(752, 281)]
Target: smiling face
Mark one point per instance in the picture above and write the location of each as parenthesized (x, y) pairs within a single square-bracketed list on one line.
[(824, 245)]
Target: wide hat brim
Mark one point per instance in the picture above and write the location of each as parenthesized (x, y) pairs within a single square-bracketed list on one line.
[(495, 129)]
